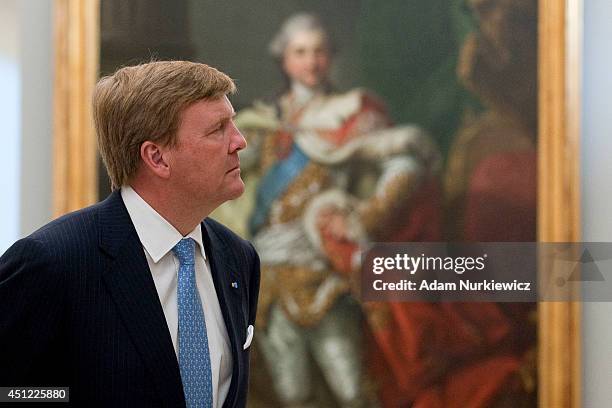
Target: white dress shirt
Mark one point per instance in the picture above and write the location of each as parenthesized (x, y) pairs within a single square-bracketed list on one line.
[(158, 237)]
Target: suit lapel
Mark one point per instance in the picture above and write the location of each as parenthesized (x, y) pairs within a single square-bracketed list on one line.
[(225, 273), (129, 281)]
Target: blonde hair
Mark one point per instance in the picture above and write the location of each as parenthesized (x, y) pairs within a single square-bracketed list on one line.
[(145, 102)]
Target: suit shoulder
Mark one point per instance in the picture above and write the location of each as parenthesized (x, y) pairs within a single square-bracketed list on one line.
[(227, 235), (28, 260), (77, 228)]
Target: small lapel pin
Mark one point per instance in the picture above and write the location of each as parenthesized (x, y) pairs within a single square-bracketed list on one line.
[(235, 285)]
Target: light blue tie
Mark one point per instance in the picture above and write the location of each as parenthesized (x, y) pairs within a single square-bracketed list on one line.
[(194, 357)]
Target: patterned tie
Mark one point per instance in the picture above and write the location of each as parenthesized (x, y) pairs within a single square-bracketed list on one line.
[(194, 357)]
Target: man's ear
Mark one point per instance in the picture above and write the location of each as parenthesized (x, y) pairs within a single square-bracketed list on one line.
[(154, 159)]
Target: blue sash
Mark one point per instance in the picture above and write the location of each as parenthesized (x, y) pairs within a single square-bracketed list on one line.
[(274, 183)]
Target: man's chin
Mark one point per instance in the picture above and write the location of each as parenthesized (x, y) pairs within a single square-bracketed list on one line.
[(237, 191)]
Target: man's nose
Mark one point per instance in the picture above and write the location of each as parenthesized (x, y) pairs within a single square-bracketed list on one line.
[(237, 141)]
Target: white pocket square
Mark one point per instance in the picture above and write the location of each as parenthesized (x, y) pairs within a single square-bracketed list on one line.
[(249, 338)]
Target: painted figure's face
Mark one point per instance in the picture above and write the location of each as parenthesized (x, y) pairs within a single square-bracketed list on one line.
[(205, 160), (307, 58)]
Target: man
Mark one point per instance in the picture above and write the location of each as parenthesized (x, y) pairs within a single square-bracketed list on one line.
[(136, 301)]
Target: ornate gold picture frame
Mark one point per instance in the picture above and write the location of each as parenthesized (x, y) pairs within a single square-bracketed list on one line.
[(559, 336)]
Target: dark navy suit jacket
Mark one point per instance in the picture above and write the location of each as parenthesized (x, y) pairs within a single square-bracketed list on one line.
[(79, 308)]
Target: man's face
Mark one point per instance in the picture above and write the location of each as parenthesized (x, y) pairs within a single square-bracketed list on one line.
[(306, 58), (204, 164)]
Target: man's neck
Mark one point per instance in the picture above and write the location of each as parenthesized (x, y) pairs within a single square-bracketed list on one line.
[(176, 212)]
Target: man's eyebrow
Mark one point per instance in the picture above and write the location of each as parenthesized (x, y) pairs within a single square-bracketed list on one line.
[(225, 118), (230, 115), (221, 120)]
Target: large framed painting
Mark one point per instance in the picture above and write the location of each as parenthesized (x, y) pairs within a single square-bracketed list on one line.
[(367, 121)]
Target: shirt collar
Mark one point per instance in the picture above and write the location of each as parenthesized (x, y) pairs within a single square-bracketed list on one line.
[(156, 234)]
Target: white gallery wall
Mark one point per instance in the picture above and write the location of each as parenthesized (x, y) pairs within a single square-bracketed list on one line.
[(597, 191), (26, 74), (36, 70), (9, 123)]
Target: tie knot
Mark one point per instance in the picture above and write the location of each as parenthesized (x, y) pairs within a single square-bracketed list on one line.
[(185, 251)]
